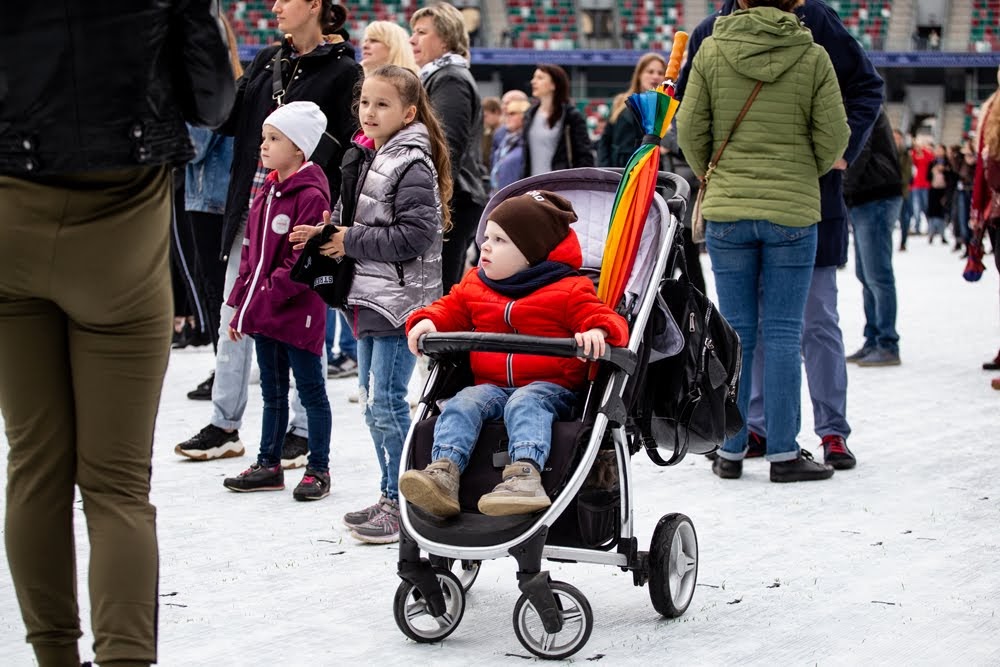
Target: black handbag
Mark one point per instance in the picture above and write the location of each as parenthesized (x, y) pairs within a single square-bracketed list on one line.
[(689, 400)]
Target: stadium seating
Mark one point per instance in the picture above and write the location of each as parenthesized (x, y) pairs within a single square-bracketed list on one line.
[(867, 20), (544, 25), (985, 33), (649, 25)]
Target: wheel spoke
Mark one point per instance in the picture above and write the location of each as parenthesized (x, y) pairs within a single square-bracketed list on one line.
[(573, 616), (416, 610), (547, 641), (445, 620)]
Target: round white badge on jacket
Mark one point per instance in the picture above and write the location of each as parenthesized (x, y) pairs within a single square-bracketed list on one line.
[(280, 223)]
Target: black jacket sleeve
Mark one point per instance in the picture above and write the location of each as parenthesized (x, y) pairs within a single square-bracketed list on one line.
[(582, 151), (452, 103), (203, 79)]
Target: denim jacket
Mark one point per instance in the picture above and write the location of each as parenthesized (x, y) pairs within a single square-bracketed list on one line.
[(207, 175)]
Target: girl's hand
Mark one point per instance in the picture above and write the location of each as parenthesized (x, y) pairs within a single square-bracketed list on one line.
[(592, 341), (335, 246), (302, 233), (235, 335), (419, 329)]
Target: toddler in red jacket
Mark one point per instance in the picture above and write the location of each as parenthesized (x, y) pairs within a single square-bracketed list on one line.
[(527, 283)]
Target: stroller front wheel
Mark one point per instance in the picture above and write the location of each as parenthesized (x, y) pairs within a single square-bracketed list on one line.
[(673, 565), (577, 618), (413, 616)]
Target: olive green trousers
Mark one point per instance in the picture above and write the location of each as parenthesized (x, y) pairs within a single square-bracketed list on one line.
[(85, 324)]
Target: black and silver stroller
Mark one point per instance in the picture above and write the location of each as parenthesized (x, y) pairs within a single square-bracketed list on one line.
[(587, 475)]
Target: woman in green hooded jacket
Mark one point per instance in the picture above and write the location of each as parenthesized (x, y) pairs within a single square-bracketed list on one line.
[(762, 202)]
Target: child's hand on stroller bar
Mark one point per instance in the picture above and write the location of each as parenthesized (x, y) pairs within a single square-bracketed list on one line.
[(592, 341), (419, 329)]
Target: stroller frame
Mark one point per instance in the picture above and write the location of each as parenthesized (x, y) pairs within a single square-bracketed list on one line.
[(431, 590)]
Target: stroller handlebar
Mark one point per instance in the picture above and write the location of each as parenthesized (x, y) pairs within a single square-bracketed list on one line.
[(436, 345)]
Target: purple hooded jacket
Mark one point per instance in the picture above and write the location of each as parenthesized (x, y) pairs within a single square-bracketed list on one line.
[(267, 301)]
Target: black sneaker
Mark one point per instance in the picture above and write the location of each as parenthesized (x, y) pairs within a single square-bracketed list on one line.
[(342, 367), (203, 392), (257, 478), (727, 469), (294, 451), (801, 469), (211, 442), (836, 453), (314, 486), (861, 353)]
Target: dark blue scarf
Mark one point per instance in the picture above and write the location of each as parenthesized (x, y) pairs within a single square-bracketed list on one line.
[(531, 279)]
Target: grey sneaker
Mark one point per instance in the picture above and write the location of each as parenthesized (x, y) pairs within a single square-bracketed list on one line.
[(880, 357), (433, 489), (355, 519), (294, 451), (382, 528), (860, 354), (520, 492)]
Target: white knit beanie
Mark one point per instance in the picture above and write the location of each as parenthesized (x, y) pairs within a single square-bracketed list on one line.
[(302, 122)]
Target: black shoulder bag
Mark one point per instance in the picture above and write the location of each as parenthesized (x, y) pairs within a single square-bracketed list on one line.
[(689, 401)]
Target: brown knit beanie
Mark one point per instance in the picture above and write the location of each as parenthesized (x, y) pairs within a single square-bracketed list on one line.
[(536, 222)]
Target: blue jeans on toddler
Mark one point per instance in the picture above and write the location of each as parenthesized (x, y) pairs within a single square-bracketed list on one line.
[(528, 413), (384, 368), (763, 271), (275, 359)]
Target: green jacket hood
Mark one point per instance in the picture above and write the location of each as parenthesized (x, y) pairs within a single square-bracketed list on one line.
[(763, 42)]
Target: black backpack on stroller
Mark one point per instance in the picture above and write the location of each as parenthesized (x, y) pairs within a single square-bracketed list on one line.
[(687, 402)]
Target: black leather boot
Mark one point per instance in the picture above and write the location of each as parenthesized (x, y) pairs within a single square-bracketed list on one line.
[(801, 469)]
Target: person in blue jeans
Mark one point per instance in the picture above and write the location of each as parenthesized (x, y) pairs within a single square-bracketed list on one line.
[(345, 363), (763, 241), (822, 340), (873, 190), (286, 319)]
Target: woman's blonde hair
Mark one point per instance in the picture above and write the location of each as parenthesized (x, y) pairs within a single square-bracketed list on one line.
[(635, 86), (991, 125), (449, 24), (412, 92), (234, 55), (396, 40)]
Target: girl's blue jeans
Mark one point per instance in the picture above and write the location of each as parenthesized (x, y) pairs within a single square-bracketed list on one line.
[(275, 359), (384, 368)]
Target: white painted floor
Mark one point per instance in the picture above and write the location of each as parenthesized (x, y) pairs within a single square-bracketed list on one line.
[(896, 562)]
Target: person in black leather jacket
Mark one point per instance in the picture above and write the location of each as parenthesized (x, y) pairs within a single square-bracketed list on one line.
[(441, 48), (563, 140), (88, 137)]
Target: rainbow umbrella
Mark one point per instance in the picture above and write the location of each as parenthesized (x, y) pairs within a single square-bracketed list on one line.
[(654, 110)]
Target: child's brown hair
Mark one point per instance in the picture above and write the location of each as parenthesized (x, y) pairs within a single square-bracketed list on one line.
[(411, 91)]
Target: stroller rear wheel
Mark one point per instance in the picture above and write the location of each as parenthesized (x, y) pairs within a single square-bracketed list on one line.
[(578, 622), (673, 565), (414, 617)]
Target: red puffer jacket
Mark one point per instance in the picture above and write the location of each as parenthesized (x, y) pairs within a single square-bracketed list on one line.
[(558, 310)]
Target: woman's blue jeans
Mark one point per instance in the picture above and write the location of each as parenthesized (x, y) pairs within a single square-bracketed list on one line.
[(528, 413), (275, 359), (762, 271), (384, 368)]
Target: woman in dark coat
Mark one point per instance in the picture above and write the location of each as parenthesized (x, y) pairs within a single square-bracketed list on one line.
[(555, 133), (622, 135)]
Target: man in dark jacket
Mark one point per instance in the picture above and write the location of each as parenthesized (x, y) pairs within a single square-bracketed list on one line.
[(87, 139), (873, 191), (822, 339)]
